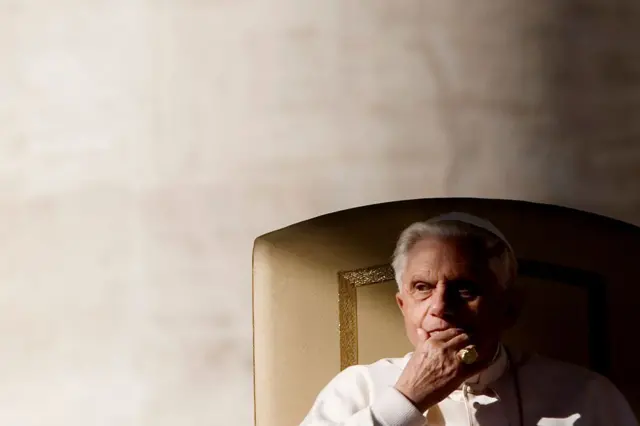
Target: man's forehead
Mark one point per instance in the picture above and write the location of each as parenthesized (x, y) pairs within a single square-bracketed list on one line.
[(433, 254), (455, 249), (421, 266)]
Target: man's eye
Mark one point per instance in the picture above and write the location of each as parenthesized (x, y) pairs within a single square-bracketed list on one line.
[(422, 287), (466, 293)]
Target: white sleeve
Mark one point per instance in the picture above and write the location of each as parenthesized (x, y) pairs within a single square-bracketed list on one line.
[(345, 401), (607, 405)]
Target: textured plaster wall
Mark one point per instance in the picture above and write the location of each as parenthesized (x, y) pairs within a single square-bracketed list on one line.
[(144, 144)]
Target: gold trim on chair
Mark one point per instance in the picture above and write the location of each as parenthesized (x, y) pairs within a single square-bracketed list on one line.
[(348, 306)]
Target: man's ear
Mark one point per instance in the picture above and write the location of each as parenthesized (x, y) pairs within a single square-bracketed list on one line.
[(399, 300), (514, 302)]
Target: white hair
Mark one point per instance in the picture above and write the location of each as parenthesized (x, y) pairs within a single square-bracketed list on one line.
[(501, 258)]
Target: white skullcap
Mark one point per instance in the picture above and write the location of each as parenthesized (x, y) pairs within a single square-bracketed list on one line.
[(472, 220)]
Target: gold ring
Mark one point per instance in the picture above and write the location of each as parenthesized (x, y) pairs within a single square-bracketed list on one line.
[(468, 355)]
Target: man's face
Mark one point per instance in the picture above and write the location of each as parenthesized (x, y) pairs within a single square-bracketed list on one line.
[(447, 283)]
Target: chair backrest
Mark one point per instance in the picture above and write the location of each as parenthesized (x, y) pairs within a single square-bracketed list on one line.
[(323, 295)]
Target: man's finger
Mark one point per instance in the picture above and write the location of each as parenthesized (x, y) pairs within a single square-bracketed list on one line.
[(445, 335), (458, 342), (422, 335)]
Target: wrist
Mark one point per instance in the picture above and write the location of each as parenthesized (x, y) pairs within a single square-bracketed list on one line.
[(419, 400)]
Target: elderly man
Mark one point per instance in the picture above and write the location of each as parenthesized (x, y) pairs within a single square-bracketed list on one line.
[(456, 279)]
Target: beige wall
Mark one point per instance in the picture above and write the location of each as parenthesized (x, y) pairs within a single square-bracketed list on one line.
[(144, 145)]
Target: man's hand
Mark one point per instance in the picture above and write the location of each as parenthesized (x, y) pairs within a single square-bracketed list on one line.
[(434, 369)]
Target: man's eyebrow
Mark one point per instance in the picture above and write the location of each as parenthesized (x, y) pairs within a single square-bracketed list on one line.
[(463, 281), (420, 278)]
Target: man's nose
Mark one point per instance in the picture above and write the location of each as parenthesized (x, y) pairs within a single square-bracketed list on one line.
[(439, 306)]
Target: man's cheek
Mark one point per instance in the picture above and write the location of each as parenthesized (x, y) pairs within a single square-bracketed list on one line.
[(419, 316)]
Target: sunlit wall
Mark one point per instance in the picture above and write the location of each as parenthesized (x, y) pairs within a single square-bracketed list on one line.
[(144, 144)]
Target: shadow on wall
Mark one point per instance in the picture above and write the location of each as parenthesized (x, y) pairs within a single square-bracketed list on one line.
[(536, 101), (592, 64)]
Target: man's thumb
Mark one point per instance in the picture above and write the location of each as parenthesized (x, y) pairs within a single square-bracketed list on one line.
[(422, 335)]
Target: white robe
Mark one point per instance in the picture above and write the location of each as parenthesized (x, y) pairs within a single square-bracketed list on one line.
[(552, 393)]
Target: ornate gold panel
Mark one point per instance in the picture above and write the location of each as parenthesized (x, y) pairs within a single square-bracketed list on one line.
[(349, 281)]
